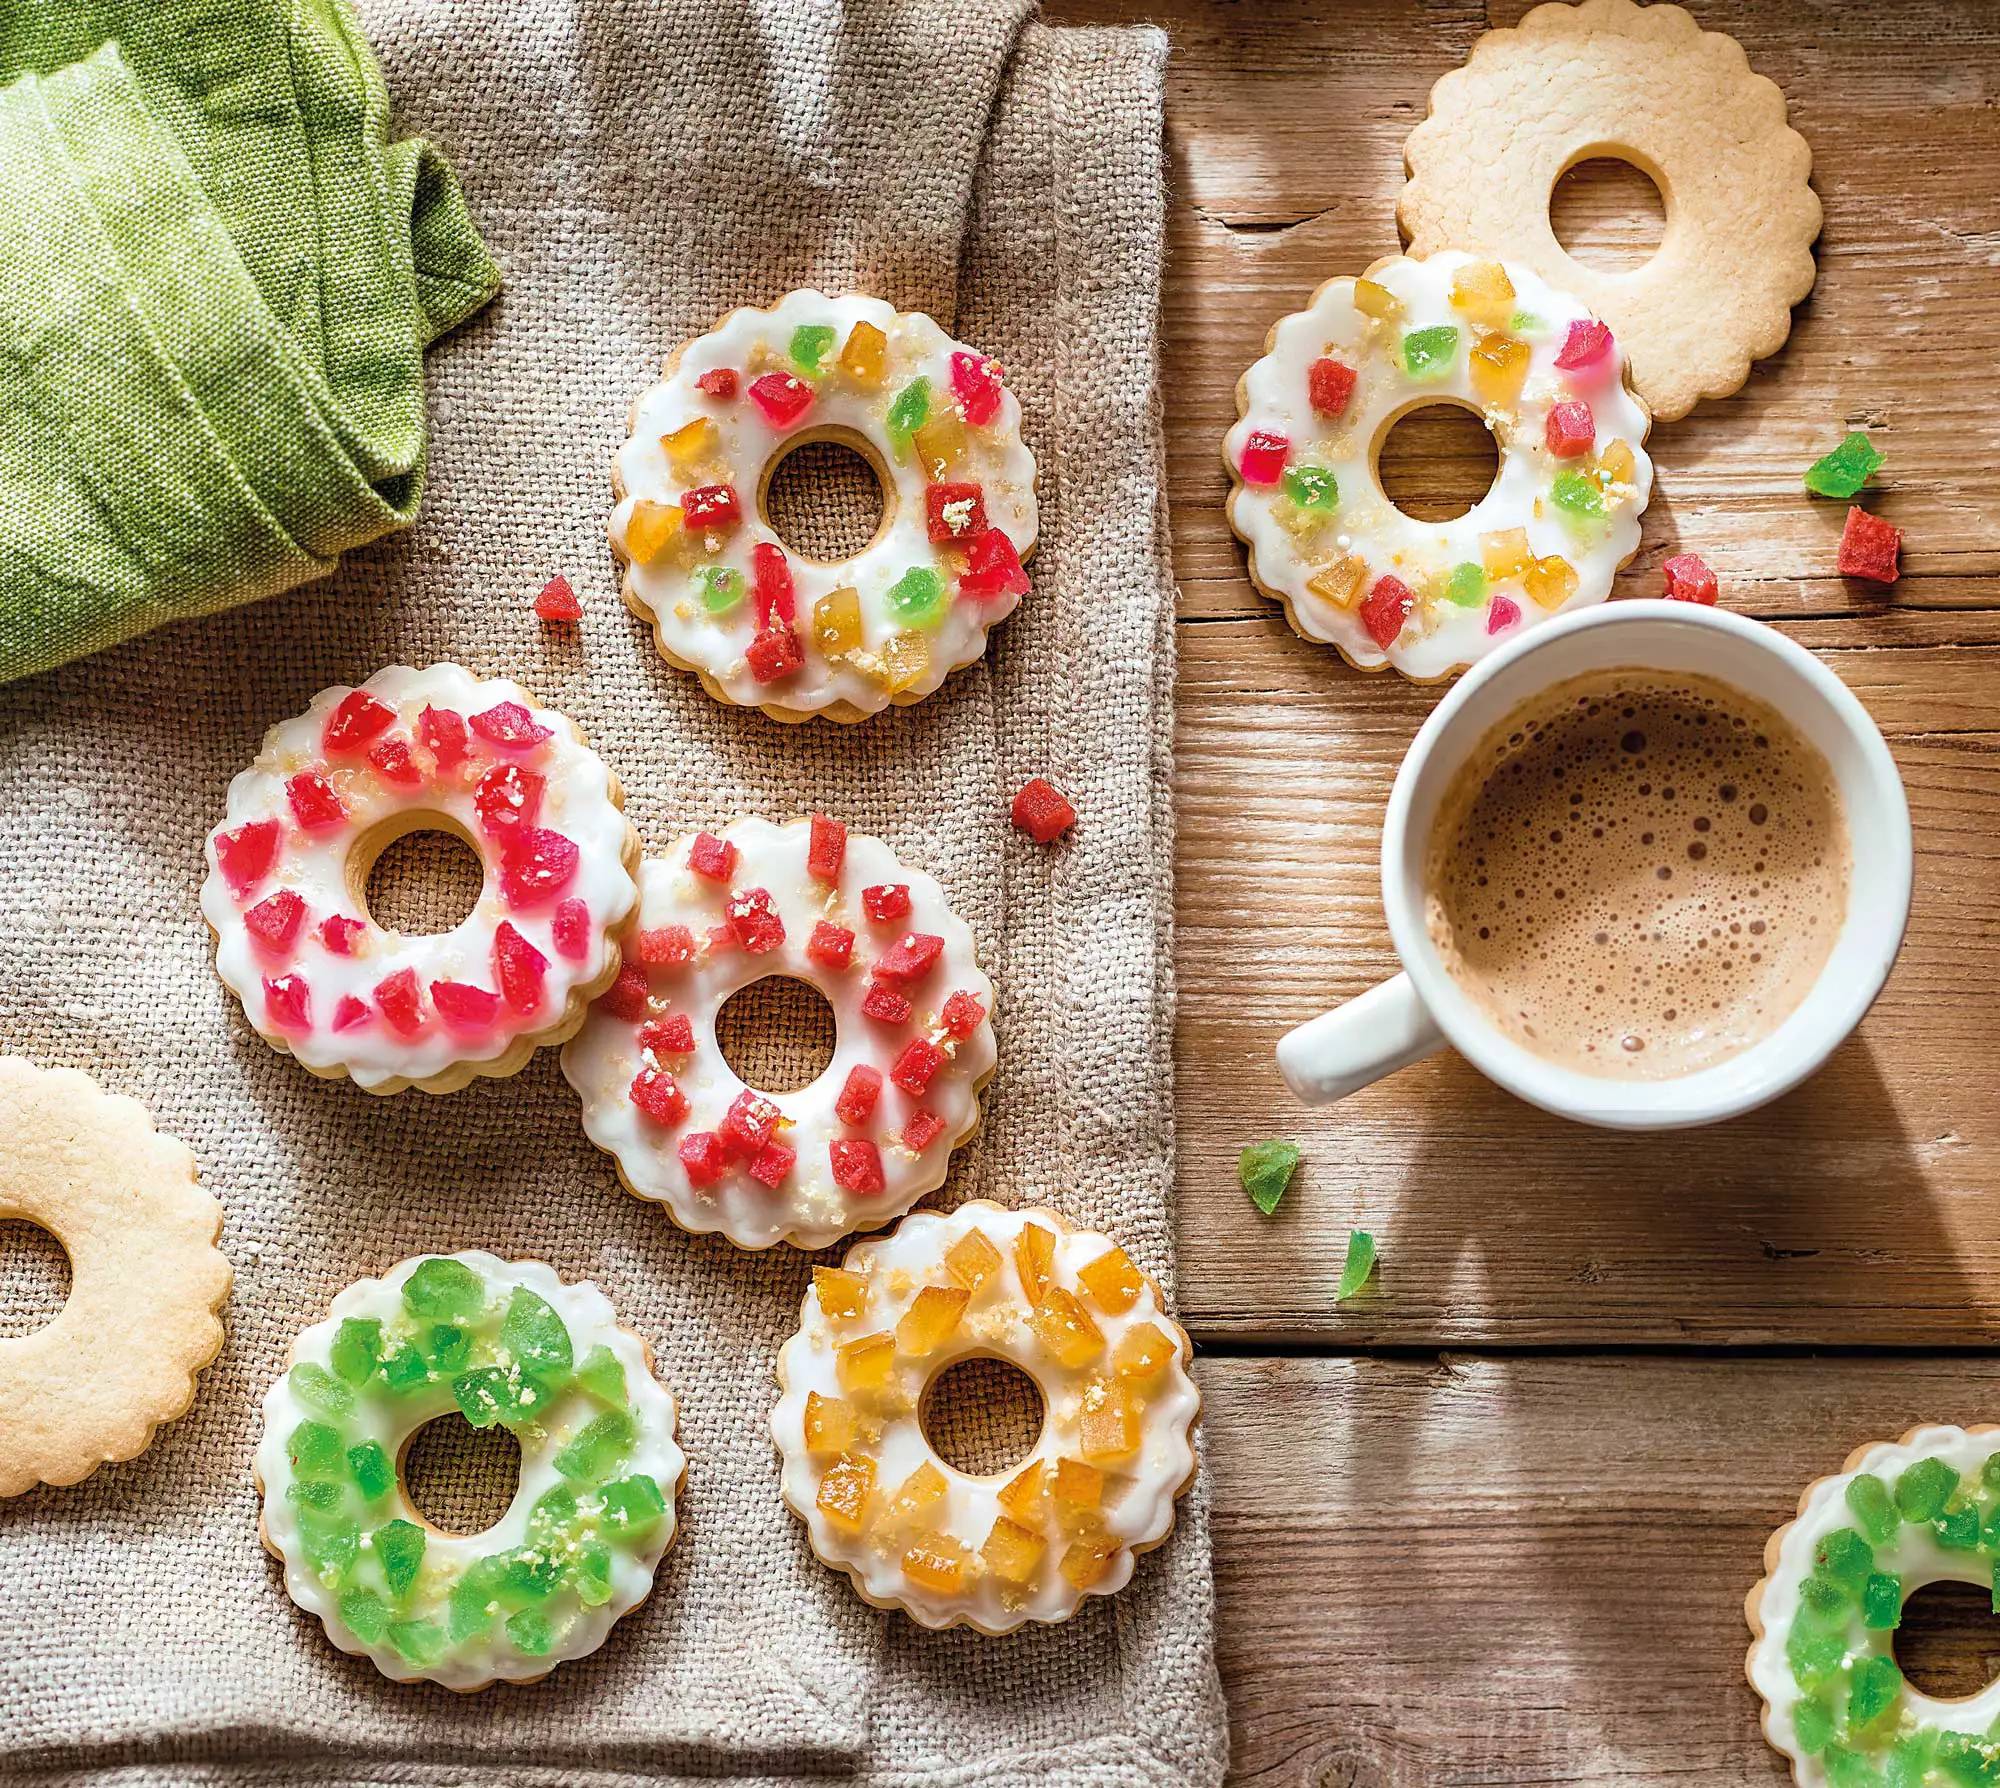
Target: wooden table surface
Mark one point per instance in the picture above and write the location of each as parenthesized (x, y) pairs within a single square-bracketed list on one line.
[(1493, 1521)]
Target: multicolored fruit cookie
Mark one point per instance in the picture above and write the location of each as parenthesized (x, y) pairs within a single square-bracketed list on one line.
[(435, 750), (1097, 1488), (765, 627), (496, 1341), (874, 1132), (146, 1278), (1354, 571)]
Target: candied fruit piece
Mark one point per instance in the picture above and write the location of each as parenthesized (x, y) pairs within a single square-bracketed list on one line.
[(915, 1068), (314, 803), (1113, 1282), (1429, 353), (976, 384), (931, 1319), (827, 849), (908, 413), (910, 958), (1360, 1262), (863, 355), (393, 761), (754, 919), (773, 1164), (350, 1013), (317, 1452), (718, 383), (507, 798), (1024, 1496), (1034, 1260), (602, 1374), (652, 529), (866, 1363), (536, 866), (1845, 470), (357, 1345), (1066, 1328), (659, 1096), (1373, 299), (596, 1448), (1587, 343), (1329, 386), (1617, 465), (569, 929), (368, 1465), (1550, 582), (463, 1006), (248, 854), (1870, 547), (1578, 497), (1340, 582), (1012, 1553), (777, 597), (288, 1002), (401, 1001), (709, 509), (857, 1164), (963, 1014), (884, 901), (358, 719), (557, 601), (1262, 460), (1502, 614), (626, 997), (1085, 1562), (443, 1290), (274, 923), (829, 1424), (917, 597), (885, 1006), (774, 654), (673, 1035), (1872, 1691), (1506, 556), (1466, 586), (510, 726), (1869, 1499), (1313, 487), (917, 1495), (842, 1295), (1570, 431), (906, 660), (444, 736), (972, 1260), (338, 933), (1077, 1488), (722, 588), (783, 398), (399, 1548), (691, 442), (858, 1096), (1143, 1351), (1387, 610), (1924, 1488), (935, 1562), (1042, 811), (923, 1129), (712, 858), (1482, 290), (954, 513), (830, 945), (1108, 1420), (1688, 579), (703, 1157), (836, 622), (666, 946), (992, 569), (809, 345), (940, 444), (748, 1124)]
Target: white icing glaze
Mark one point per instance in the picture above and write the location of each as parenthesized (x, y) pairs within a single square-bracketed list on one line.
[(753, 343), (591, 1322), (808, 1209), (1441, 635), (1139, 1493), (579, 802)]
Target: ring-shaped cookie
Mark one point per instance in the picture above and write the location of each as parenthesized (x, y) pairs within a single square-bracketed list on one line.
[(432, 750), (1382, 587), (769, 628), (503, 1342), (1645, 85), (146, 1278), (874, 1132), (1097, 1488)]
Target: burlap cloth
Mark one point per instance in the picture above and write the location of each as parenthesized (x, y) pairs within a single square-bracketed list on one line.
[(638, 170)]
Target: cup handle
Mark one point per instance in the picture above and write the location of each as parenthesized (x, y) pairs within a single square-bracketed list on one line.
[(1354, 1045)]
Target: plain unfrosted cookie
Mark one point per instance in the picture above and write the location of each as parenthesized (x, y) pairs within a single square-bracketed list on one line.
[(146, 1277), (1648, 86)]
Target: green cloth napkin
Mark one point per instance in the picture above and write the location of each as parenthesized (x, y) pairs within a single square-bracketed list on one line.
[(218, 280)]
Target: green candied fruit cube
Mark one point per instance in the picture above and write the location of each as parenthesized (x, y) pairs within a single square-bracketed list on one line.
[(632, 1509), (489, 1394), (1266, 1169), (1989, 1473), (917, 597), (475, 1599), (1812, 1723), (419, 1643), (1824, 1595), (591, 1574), (1429, 353), (1312, 487), (1845, 470), (1578, 497), (1846, 1557), (316, 1451), (602, 1374), (1467, 585), (368, 1465), (399, 1546), (550, 1520), (1360, 1262), (446, 1347), (531, 1633), (1968, 1760), (1882, 1602), (357, 1345), (331, 1543), (529, 1575), (443, 1290), (1909, 1763), (315, 1498), (319, 1390), (1815, 1651), (1957, 1529), (909, 412), (1849, 1769), (1872, 1690), (366, 1613), (1869, 1500), (722, 588), (534, 1335), (1924, 1489), (599, 1445), (810, 342), (404, 1371)]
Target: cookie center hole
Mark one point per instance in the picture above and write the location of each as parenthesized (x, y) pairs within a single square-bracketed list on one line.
[(1949, 1642), (34, 1278), (778, 1034), (1608, 214), (825, 500), (424, 882), (461, 1479), (983, 1416), (1437, 462)]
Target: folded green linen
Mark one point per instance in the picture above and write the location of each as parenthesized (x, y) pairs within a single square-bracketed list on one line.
[(217, 282)]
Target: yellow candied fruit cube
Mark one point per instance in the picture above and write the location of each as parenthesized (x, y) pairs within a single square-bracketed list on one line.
[(940, 445), (1076, 1487), (841, 1294), (1085, 1563), (1025, 1496), (972, 1259), (862, 357), (918, 1493), (1615, 465), (936, 1563), (837, 622), (1484, 292), (845, 1489), (1011, 1552), (829, 1424), (1507, 555), (1108, 1426), (905, 661), (928, 1323), (1034, 1259), (865, 1365), (1113, 1282), (1339, 583), (1499, 365), (692, 442), (1143, 1351), (1372, 299), (1065, 1328), (1551, 582), (651, 529)]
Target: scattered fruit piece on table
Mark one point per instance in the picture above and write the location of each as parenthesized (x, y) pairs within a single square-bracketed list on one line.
[(1869, 547), (1266, 1169), (1043, 811), (1359, 1264), (1689, 580), (1845, 470)]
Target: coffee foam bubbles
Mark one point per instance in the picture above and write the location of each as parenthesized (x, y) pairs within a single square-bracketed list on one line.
[(1641, 875)]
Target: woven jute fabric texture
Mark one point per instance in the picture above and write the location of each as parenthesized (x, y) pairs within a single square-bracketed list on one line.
[(638, 171)]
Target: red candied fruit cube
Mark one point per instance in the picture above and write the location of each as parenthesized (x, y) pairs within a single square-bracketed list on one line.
[(857, 1098), (443, 735), (351, 1013), (1262, 460), (909, 959), (1501, 613), (776, 598), (720, 938), (1043, 811), (773, 1163), (885, 1005), (463, 1006), (1386, 609), (710, 509), (315, 805), (955, 513), (704, 1157), (673, 1035), (886, 901), (783, 398), (558, 602), (569, 930), (828, 849), (667, 946), (923, 1129), (508, 798), (831, 946), (857, 1164), (773, 654), (358, 718), (712, 857), (963, 1014), (658, 1094), (537, 866), (510, 726), (402, 1002), (626, 997), (288, 1002), (338, 933), (755, 921), (975, 382), (719, 383), (1571, 430), (917, 1066), (394, 762), (1330, 385), (275, 922), (1870, 547), (1587, 343), (992, 569), (1688, 579), (747, 1125), (519, 968), (248, 854)]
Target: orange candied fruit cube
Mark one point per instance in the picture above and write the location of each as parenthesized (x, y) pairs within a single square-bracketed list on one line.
[(1066, 1329), (1373, 299), (1339, 583), (1551, 582), (1085, 1562), (1109, 1424), (972, 1259), (1077, 1487), (1499, 368), (1034, 1259), (1482, 290), (1143, 1351), (1024, 1497), (1506, 556), (936, 1563), (692, 442), (829, 1424), (842, 1295), (837, 622), (906, 660), (651, 529), (1011, 1552), (864, 1364), (1113, 1282), (921, 1491), (845, 1489), (1616, 465), (863, 356), (940, 445), (929, 1321)]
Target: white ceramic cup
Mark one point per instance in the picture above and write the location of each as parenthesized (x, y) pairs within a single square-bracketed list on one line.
[(1422, 1009)]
